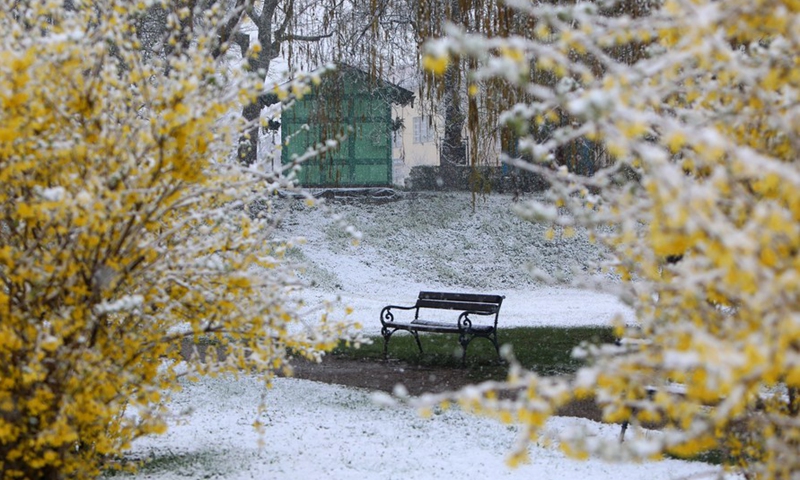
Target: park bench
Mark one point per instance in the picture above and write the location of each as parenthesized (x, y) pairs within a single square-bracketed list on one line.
[(471, 306)]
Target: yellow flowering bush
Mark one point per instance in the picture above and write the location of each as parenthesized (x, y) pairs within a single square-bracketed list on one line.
[(125, 231), (695, 104)]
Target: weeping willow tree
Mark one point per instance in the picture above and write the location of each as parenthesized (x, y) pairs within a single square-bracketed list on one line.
[(468, 104), (478, 105), (384, 38), (470, 107)]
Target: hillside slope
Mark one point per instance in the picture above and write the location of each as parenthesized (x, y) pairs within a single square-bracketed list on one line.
[(438, 241)]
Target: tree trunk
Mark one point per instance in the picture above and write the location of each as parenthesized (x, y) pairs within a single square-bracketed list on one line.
[(248, 142), (453, 152), (258, 63)]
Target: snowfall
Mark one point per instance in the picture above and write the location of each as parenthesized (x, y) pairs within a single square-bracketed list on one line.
[(423, 241)]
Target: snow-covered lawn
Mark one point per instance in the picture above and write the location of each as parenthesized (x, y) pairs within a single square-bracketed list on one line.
[(314, 430)]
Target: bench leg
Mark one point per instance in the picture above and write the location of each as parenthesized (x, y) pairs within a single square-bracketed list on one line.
[(416, 337), (634, 411), (464, 340), (493, 339), (387, 334)]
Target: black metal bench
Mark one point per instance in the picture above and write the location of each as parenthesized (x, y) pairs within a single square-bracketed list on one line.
[(470, 305)]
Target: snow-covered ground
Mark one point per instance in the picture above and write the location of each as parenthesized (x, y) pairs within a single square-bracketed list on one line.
[(313, 430), (440, 242), (319, 431)]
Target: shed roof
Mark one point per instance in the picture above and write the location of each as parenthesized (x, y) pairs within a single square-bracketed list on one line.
[(348, 73), (342, 72)]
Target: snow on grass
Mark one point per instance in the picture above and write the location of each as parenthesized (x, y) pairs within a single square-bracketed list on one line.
[(441, 239), (438, 242), (315, 430)]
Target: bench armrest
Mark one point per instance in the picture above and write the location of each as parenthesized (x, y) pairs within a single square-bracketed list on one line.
[(464, 322), (388, 317)]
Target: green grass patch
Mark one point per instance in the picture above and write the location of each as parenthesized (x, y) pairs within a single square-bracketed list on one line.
[(203, 464), (545, 350), (712, 457)]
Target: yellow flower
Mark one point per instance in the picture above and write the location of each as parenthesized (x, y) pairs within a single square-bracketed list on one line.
[(435, 64)]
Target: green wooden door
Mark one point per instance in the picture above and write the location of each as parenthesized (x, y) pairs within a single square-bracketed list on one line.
[(371, 142), (364, 158)]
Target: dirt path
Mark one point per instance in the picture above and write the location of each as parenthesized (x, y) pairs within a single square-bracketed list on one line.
[(382, 375), (385, 375)]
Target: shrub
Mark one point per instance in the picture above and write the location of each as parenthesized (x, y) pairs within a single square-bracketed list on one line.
[(124, 231), (695, 102)]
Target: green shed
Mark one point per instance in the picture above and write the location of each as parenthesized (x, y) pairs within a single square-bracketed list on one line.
[(348, 103)]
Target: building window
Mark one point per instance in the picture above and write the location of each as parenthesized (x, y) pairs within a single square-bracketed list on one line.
[(423, 129)]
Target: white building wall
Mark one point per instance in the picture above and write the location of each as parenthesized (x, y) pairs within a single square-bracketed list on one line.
[(409, 149)]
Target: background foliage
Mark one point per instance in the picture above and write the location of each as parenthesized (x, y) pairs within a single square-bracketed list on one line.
[(696, 104)]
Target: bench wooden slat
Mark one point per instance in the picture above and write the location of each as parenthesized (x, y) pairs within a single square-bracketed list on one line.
[(464, 297), (441, 327), (456, 305), (431, 326)]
